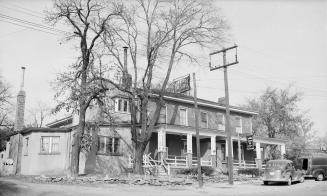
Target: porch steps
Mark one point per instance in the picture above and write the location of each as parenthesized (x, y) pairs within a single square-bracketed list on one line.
[(161, 171)]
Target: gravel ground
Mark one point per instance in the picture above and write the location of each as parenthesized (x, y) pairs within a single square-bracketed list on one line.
[(19, 187)]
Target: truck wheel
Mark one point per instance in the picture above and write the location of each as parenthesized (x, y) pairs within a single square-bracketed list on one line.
[(320, 177), (289, 181)]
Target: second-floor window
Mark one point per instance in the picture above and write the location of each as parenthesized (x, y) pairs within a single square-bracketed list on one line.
[(221, 120), (121, 105), (50, 144), (183, 116), (204, 119), (237, 121)]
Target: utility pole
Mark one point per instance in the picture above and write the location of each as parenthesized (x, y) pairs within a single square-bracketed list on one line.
[(228, 127), (200, 180)]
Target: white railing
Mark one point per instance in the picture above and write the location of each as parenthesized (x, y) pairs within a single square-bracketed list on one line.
[(247, 164), (203, 162), (176, 161)]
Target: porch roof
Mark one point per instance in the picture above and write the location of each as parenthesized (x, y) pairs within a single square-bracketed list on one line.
[(178, 129)]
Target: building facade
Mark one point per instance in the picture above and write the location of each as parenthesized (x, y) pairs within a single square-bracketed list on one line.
[(47, 150)]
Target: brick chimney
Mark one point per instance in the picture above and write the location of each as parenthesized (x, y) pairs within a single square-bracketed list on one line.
[(222, 100), (20, 106)]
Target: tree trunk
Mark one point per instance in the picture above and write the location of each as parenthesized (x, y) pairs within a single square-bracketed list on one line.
[(138, 160), (74, 163)]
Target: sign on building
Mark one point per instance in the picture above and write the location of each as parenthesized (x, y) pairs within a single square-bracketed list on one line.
[(249, 142), (180, 85)]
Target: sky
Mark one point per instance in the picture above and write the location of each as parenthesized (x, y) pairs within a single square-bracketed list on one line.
[(280, 43)]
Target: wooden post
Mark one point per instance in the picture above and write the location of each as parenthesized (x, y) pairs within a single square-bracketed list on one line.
[(200, 180)]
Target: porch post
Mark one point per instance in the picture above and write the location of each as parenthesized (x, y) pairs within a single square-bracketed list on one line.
[(213, 151), (258, 154), (189, 149), (282, 150), (161, 144)]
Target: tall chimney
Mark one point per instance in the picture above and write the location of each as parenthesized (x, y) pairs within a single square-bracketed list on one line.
[(125, 59), (20, 106), (127, 78)]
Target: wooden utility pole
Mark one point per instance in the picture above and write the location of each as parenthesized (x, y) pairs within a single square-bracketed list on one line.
[(228, 127), (198, 156)]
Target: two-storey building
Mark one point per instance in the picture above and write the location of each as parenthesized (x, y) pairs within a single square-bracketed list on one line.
[(173, 138)]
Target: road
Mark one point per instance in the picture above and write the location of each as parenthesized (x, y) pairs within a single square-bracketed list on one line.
[(14, 187)]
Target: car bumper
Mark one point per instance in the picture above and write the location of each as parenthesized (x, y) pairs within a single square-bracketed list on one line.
[(275, 180)]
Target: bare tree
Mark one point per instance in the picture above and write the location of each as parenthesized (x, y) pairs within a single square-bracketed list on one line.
[(6, 122), (5, 105), (88, 20), (158, 31), (38, 114)]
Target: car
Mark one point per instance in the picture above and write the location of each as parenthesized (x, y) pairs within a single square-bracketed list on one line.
[(315, 167), (282, 171)]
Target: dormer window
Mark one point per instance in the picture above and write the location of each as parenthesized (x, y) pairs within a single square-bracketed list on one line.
[(122, 105)]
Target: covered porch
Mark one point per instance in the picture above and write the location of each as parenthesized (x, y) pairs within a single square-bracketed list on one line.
[(176, 146)]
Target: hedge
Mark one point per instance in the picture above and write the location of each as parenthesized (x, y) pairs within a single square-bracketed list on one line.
[(206, 170)]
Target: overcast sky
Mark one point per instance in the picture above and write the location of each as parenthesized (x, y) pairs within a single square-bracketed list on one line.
[(280, 43)]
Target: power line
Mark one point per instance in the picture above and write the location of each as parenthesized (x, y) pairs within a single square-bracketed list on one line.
[(22, 11), (29, 27), (31, 23), (24, 8)]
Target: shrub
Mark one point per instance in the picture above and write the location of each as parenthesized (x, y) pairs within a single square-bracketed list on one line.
[(250, 171), (206, 170)]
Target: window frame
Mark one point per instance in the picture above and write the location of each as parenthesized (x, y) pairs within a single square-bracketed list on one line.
[(113, 142), (120, 104), (50, 150), (206, 118), (185, 109), (222, 118), (26, 142)]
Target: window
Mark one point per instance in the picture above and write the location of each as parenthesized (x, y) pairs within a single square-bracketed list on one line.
[(121, 105), (26, 146), (182, 117), (50, 144), (204, 119), (237, 121), (108, 145), (221, 120)]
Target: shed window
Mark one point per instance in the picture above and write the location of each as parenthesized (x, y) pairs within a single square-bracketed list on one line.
[(26, 146), (50, 144)]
